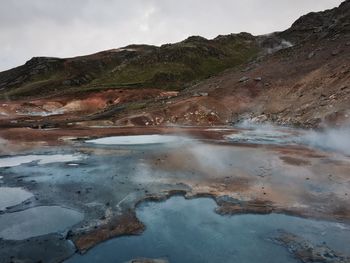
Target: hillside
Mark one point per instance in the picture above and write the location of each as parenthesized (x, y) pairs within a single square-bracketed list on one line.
[(298, 77), (170, 66)]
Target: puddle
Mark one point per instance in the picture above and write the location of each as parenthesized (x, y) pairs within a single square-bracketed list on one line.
[(138, 140), (37, 221), (10, 196), (41, 159), (190, 231)]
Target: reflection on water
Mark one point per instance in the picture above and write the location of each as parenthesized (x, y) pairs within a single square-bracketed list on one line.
[(190, 231)]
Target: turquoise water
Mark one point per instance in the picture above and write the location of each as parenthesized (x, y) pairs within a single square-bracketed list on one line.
[(190, 231)]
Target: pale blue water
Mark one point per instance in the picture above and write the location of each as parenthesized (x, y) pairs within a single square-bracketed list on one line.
[(10, 196), (37, 221), (190, 231), (139, 140)]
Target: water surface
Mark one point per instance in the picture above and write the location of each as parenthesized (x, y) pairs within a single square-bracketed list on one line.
[(190, 231), (10, 196), (137, 140), (40, 159), (37, 221)]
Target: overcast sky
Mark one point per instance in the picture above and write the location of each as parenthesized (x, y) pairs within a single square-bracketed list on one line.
[(64, 28)]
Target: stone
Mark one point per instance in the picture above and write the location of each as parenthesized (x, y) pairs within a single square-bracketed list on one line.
[(311, 55), (335, 52), (243, 79), (308, 252), (246, 69)]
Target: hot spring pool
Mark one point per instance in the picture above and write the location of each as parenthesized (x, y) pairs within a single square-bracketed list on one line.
[(182, 230), (138, 140)]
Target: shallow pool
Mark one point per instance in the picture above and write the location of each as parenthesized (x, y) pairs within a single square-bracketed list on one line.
[(37, 221), (10, 196), (138, 140), (41, 159), (190, 231)]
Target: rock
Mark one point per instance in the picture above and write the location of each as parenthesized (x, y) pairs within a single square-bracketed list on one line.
[(311, 55), (200, 94), (259, 119), (335, 52), (258, 79), (308, 252), (318, 29), (244, 79), (67, 82), (246, 69)]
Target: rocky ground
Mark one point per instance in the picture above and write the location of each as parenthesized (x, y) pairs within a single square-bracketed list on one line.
[(307, 252)]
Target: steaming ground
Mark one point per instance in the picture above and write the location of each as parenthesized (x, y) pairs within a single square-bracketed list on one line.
[(333, 139), (329, 139)]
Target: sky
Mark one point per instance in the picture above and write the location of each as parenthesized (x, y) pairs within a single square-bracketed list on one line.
[(67, 28)]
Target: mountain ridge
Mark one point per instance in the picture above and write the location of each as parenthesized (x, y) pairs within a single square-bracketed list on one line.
[(227, 79)]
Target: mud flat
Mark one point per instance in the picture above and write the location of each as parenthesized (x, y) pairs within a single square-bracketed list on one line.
[(108, 181)]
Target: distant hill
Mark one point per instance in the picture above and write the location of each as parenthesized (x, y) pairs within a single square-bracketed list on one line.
[(171, 66), (298, 77)]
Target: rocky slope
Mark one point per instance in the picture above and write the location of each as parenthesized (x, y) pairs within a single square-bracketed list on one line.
[(298, 77)]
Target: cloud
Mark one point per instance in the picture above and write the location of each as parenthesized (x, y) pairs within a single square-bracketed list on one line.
[(65, 28)]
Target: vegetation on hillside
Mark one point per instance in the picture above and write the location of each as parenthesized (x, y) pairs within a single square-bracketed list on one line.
[(171, 66)]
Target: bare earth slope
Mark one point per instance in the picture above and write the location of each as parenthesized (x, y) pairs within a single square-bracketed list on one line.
[(297, 77)]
